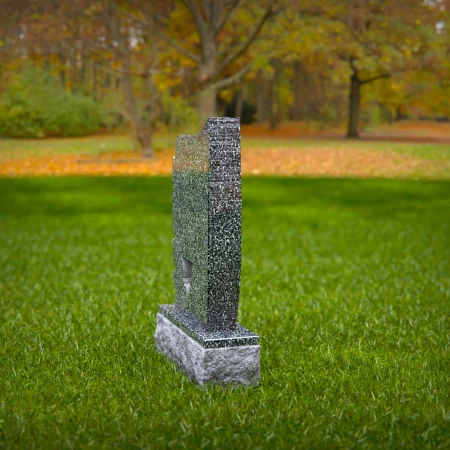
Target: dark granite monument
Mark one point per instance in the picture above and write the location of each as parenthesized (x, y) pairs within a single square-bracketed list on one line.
[(199, 332)]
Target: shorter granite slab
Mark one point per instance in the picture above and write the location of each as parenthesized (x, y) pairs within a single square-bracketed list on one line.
[(216, 365), (198, 331)]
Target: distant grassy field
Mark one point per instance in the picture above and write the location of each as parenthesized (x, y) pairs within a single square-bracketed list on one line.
[(262, 154), (431, 151), (253, 138), (94, 145), (346, 281)]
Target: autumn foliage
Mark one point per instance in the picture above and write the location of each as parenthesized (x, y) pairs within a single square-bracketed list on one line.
[(162, 65)]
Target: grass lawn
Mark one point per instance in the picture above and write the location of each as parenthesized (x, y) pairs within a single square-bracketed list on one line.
[(91, 145), (347, 282), (95, 145)]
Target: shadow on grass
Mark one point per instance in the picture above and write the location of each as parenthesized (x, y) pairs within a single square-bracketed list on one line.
[(365, 196), (86, 195), (153, 195)]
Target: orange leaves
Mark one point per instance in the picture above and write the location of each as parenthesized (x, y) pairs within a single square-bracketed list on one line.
[(332, 162), (108, 164), (314, 161), (292, 149)]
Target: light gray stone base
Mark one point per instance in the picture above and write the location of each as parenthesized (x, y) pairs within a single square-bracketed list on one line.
[(235, 365)]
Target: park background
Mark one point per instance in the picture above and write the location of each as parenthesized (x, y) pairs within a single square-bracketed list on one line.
[(345, 124)]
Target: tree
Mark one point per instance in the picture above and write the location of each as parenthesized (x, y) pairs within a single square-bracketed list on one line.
[(101, 35), (121, 44), (296, 80), (354, 101), (368, 40), (216, 47), (377, 40), (153, 60)]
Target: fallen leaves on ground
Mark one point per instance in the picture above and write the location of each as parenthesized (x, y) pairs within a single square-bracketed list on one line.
[(321, 161), (339, 163)]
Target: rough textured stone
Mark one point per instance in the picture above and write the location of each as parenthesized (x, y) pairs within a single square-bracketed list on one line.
[(238, 365), (200, 332), (207, 217)]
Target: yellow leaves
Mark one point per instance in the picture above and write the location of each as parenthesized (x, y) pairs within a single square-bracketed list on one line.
[(227, 95), (165, 82), (261, 62), (314, 160), (385, 59), (396, 87), (285, 94)]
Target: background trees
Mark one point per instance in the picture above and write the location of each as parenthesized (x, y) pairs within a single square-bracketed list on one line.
[(170, 63), (221, 34)]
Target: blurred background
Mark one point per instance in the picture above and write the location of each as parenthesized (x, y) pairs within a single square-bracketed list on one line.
[(134, 74), (346, 281)]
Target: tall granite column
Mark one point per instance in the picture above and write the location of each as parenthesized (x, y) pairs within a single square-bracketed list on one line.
[(199, 332)]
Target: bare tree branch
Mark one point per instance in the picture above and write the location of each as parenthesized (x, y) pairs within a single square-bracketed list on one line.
[(215, 13), (226, 82), (149, 16), (207, 8), (193, 8), (351, 61), (251, 37), (377, 77), (180, 48), (227, 16)]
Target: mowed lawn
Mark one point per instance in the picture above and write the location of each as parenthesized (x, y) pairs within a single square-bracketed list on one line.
[(112, 155), (347, 282), (112, 143)]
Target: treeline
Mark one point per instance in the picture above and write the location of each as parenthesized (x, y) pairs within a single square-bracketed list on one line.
[(73, 67)]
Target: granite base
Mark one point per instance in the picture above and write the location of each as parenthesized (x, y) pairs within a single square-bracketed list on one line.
[(238, 364)]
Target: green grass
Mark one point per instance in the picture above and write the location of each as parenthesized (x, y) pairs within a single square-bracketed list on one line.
[(18, 148), (94, 145), (91, 145), (440, 152), (347, 282)]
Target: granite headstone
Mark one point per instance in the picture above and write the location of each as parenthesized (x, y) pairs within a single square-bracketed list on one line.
[(200, 332)]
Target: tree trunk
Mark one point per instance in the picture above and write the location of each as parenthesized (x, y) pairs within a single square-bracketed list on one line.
[(141, 133), (83, 69), (62, 70), (207, 98), (271, 104), (107, 81), (145, 138), (354, 106), (299, 89), (207, 104), (262, 95), (239, 106), (94, 81), (71, 73), (400, 112)]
